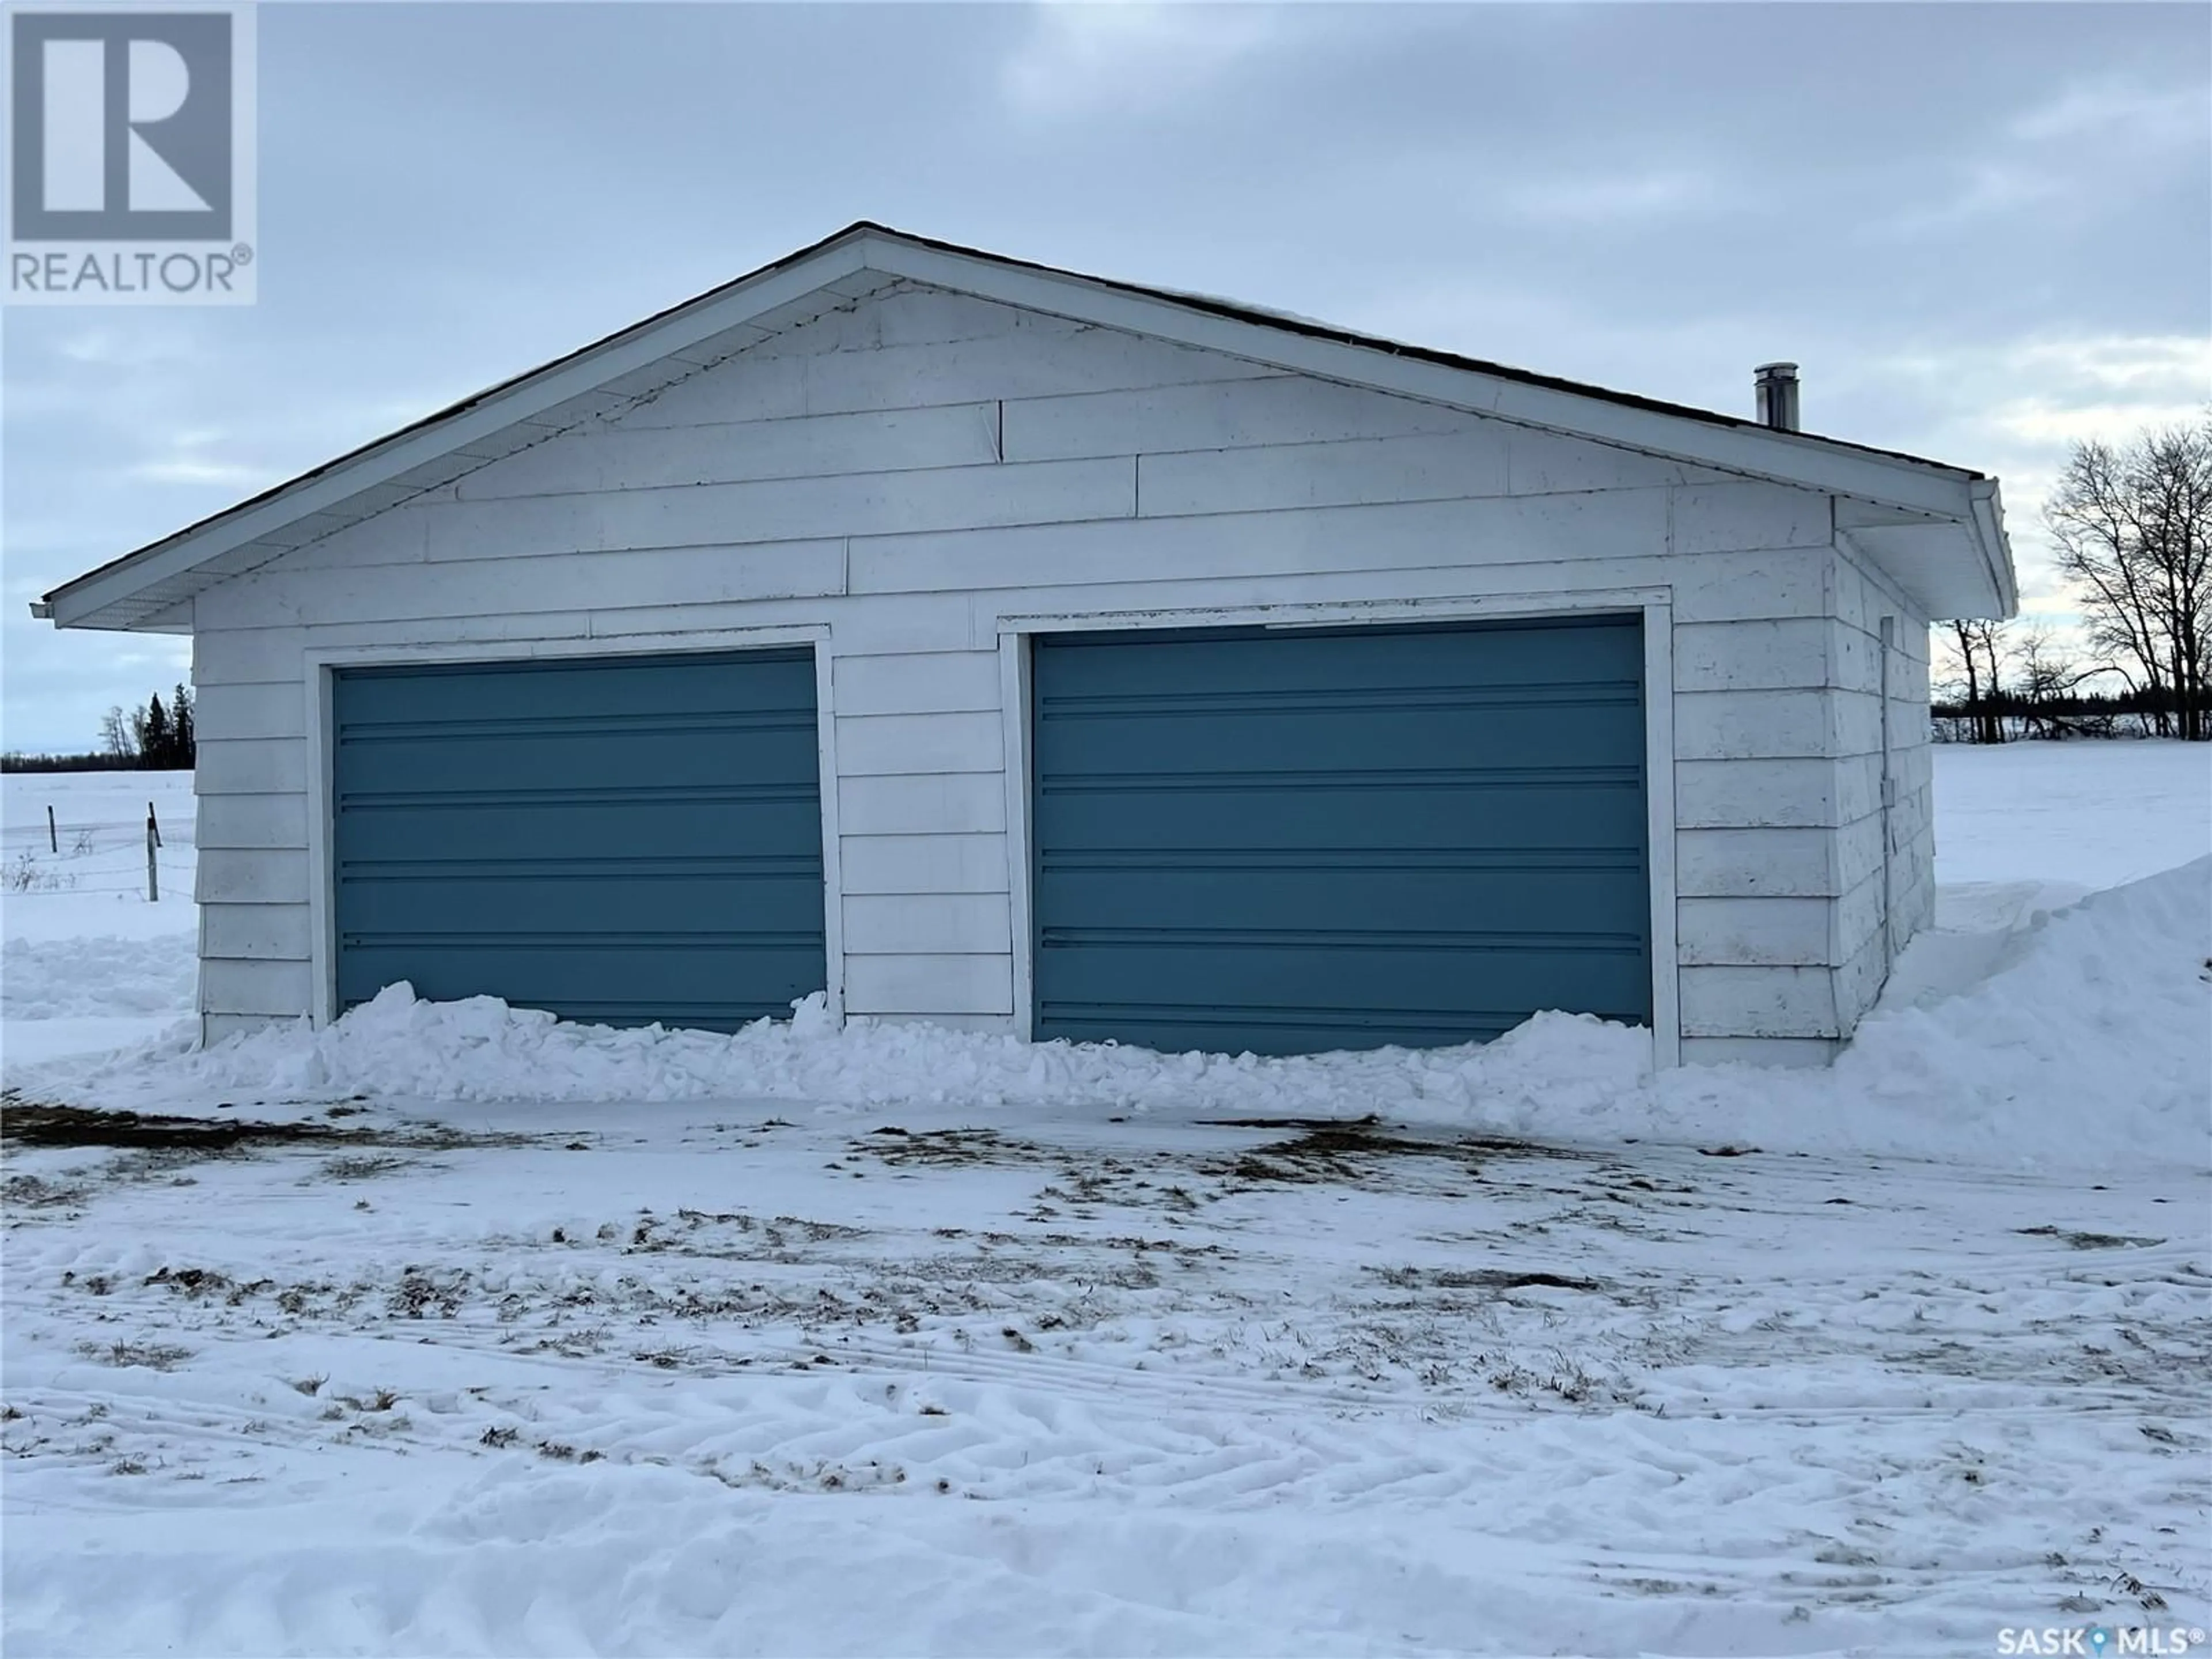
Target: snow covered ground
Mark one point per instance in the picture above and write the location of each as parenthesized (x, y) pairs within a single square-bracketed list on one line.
[(501, 1337), (87, 964)]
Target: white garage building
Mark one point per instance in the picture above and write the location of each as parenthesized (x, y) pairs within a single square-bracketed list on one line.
[(974, 641)]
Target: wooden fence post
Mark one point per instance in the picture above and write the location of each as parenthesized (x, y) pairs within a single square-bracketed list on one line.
[(53, 836), (153, 865)]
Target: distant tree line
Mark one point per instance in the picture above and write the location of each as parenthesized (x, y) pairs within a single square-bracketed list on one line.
[(158, 738), (2133, 528), (15, 760), (2032, 707)]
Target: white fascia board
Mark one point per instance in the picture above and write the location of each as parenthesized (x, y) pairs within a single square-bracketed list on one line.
[(1785, 457), (73, 603), (1997, 548)]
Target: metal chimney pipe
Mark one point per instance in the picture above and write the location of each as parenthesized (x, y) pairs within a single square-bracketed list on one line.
[(1777, 387)]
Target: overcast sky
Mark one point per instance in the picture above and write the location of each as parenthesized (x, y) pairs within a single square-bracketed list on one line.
[(1984, 231)]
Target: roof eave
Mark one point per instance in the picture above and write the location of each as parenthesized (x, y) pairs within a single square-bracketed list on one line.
[(1700, 437), (446, 430), (1948, 566)]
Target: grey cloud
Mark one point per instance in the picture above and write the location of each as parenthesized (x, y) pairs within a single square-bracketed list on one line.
[(1914, 200)]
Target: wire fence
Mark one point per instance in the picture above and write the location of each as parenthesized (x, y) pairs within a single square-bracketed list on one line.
[(182, 890), (176, 883), (112, 866), (79, 841), (116, 844)]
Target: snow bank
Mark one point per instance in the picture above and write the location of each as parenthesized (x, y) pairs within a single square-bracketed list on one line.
[(2093, 1034), (102, 974), (2088, 1042), (482, 1049)]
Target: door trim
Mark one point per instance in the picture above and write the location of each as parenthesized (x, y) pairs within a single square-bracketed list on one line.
[(320, 667), (1015, 632)]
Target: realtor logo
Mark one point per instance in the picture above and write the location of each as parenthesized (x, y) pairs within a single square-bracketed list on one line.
[(130, 140)]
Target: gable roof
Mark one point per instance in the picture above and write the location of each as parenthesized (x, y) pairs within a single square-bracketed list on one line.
[(1936, 530)]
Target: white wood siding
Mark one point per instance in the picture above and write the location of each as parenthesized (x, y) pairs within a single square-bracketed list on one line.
[(1884, 901), (1779, 861), (910, 468)]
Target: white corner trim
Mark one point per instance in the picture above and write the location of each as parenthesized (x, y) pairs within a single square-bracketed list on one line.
[(832, 872), (1659, 806), (1014, 716), (322, 872)]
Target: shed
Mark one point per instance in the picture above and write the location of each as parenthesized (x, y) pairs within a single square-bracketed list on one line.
[(974, 641)]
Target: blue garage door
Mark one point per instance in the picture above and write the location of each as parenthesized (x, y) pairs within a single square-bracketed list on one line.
[(617, 839), (1287, 840)]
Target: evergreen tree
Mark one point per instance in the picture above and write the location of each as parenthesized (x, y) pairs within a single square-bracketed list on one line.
[(153, 735), (180, 728)]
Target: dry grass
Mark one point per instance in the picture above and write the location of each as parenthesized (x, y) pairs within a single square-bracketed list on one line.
[(362, 1167), (25, 1192), (1355, 1151), (2078, 1241), (155, 1356), (902, 1147)]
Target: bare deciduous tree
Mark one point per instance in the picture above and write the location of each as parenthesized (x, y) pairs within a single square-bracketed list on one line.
[(2134, 530), (1982, 649), (2048, 675), (119, 734)]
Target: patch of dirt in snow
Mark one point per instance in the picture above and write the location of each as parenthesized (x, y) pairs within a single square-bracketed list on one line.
[(1360, 1152), (1646, 1380), (896, 1147), (32, 1123), (2080, 1241)]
